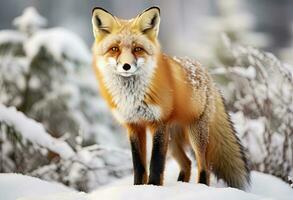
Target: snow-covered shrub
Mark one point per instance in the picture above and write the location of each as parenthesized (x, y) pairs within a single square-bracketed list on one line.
[(26, 147), (21, 142), (260, 91), (47, 75)]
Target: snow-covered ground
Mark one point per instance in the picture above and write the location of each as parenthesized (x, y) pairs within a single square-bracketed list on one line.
[(14, 186), (263, 187)]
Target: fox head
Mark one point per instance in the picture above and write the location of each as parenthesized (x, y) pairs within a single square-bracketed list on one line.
[(126, 47)]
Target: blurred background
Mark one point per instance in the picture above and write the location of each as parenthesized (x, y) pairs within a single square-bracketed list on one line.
[(54, 124), (190, 24)]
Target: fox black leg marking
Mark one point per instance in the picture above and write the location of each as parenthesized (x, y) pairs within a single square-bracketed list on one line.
[(160, 143), (138, 165), (203, 177), (182, 176)]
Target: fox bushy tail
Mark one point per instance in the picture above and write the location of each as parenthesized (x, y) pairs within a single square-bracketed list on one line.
[(226, 153)]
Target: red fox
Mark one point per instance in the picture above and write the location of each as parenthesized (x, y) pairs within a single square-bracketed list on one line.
[(174, 98)]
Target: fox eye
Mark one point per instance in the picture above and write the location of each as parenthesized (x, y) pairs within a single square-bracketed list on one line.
[(137, 49), (114, 49)]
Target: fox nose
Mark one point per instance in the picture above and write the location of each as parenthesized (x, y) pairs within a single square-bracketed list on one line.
[(126, 66)]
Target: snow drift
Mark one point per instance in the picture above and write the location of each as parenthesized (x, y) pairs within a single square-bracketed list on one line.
[(263, 187)]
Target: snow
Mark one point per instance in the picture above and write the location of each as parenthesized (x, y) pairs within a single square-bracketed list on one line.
[(11, 36), (29, 20), (176, 191), (34, 131), (13, 186), (289, 68), (271, 186), (255, 141), (247, 73), (60, 43), (263, 187)]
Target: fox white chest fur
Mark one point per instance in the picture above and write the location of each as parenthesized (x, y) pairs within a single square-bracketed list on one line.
[(128, 93)]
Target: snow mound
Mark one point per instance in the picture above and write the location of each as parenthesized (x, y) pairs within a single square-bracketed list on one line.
[(13, 186), (263, 187), (178, 191), (60, 196), (270, 186), (34, 131), (60, 43)]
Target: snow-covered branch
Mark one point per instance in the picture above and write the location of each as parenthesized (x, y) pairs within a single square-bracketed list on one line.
[(34, 131)]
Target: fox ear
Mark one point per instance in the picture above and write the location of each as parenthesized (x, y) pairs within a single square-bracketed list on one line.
[(103, 22), (149, 21)]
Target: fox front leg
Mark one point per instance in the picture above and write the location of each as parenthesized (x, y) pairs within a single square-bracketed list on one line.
[(158, 158), (137, 138)]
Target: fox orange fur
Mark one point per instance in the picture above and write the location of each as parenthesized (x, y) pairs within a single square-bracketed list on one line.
[(172, 97)]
